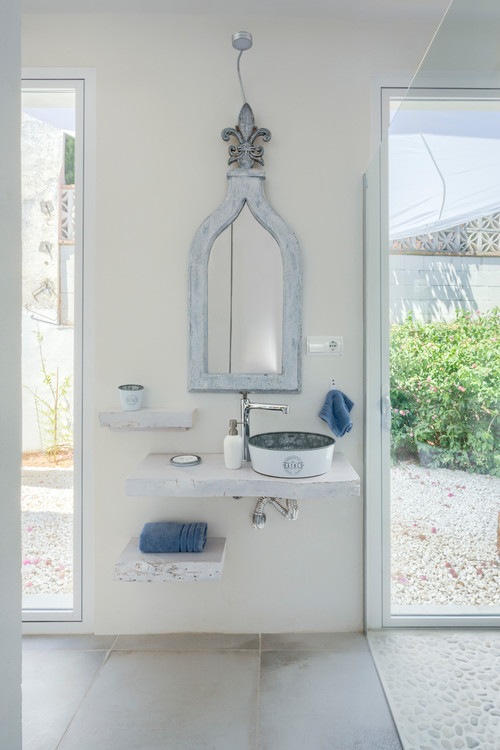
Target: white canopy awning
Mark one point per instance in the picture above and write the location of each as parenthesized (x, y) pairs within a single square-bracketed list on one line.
[(444, 165)]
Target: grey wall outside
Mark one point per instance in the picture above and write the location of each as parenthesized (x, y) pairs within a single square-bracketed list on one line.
[(48, 276), (42, 162), (433, 287)]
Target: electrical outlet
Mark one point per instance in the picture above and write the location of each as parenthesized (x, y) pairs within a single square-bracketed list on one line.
[(336, 345)]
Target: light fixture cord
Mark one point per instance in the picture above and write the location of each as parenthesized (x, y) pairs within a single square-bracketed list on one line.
[(239, 76)]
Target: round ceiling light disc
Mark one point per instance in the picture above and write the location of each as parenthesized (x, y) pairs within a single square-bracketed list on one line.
[(242, 40)]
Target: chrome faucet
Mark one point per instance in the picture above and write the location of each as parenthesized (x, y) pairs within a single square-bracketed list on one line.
[(246, 407)]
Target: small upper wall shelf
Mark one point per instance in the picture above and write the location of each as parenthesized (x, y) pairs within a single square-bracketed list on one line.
[(147, 419)]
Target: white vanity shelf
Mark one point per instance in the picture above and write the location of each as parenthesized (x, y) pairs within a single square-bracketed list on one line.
[(147, 419), (156, 476)]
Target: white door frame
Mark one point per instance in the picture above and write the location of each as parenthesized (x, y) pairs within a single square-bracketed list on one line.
[(80, 620), (377, 401)]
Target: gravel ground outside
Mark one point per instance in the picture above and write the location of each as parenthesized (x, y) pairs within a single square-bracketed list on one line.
[(444, 537), (47, 530)]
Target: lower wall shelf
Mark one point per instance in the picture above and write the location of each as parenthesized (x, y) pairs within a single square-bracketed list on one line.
[(135, 566)]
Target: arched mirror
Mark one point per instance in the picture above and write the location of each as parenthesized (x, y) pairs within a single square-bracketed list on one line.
[(245, 299), (245, 295)]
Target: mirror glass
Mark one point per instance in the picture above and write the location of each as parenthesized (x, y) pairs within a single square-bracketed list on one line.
[(245, 299), (245, 295)]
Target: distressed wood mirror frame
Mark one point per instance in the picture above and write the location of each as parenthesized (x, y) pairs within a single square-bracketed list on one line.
[(245, 187)]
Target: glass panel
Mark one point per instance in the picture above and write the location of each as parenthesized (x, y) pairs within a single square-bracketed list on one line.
[(444, 298), (48, 269), (245, 299), (431, 219)]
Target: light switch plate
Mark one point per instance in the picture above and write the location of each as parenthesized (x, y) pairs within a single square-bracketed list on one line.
[(325, 346)]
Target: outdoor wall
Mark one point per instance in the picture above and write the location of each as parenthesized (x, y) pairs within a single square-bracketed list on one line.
[(42, 161), (42, 164), (433, 287), (166, 87), (10, 376)]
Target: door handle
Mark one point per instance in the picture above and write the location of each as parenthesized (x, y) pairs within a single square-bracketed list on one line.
[(386, 410)]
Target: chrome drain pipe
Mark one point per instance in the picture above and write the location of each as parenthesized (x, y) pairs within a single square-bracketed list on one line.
[(290, 511)]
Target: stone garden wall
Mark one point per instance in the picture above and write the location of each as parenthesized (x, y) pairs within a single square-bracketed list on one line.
[(433, 286)]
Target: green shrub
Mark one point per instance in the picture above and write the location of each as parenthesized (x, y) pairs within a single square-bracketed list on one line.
[(445, 391)]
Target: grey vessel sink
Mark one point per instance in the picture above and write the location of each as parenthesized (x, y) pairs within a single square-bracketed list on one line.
[(291, 454)]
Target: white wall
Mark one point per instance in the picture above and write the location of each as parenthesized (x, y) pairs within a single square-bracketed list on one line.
[(166, 86), (10, 376)]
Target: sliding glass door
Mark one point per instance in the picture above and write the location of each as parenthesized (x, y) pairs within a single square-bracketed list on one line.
[(444, 354), (438, 365)]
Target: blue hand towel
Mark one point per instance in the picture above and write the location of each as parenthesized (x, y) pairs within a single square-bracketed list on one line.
[(335, 412), (170, 536)]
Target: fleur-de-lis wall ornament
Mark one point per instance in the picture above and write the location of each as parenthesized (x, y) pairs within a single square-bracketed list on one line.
[(246, 153)]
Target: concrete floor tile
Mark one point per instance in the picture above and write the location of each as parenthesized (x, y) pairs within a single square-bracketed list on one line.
[(346, 642), (170, 700), (68, 642), (54, 684), (323, 701), (187, 642)]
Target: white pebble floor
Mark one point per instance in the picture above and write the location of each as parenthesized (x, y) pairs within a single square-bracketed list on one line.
[(47, 531), (443, 687), (444, 537)]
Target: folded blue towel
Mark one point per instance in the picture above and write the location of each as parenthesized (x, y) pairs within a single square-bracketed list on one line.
[(335, 412), (170, 536)]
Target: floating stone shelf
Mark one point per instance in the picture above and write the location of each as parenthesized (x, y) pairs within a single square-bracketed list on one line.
[(147, 419), (157, 477), (135, 566)]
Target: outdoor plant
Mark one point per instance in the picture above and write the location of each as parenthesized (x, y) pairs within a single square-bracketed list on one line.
[(53, 409), (445, 391)]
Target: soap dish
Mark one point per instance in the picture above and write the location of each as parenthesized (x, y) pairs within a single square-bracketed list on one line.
[(185, 459)]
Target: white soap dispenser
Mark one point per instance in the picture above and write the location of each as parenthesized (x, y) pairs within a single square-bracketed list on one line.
[(233, 447)]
